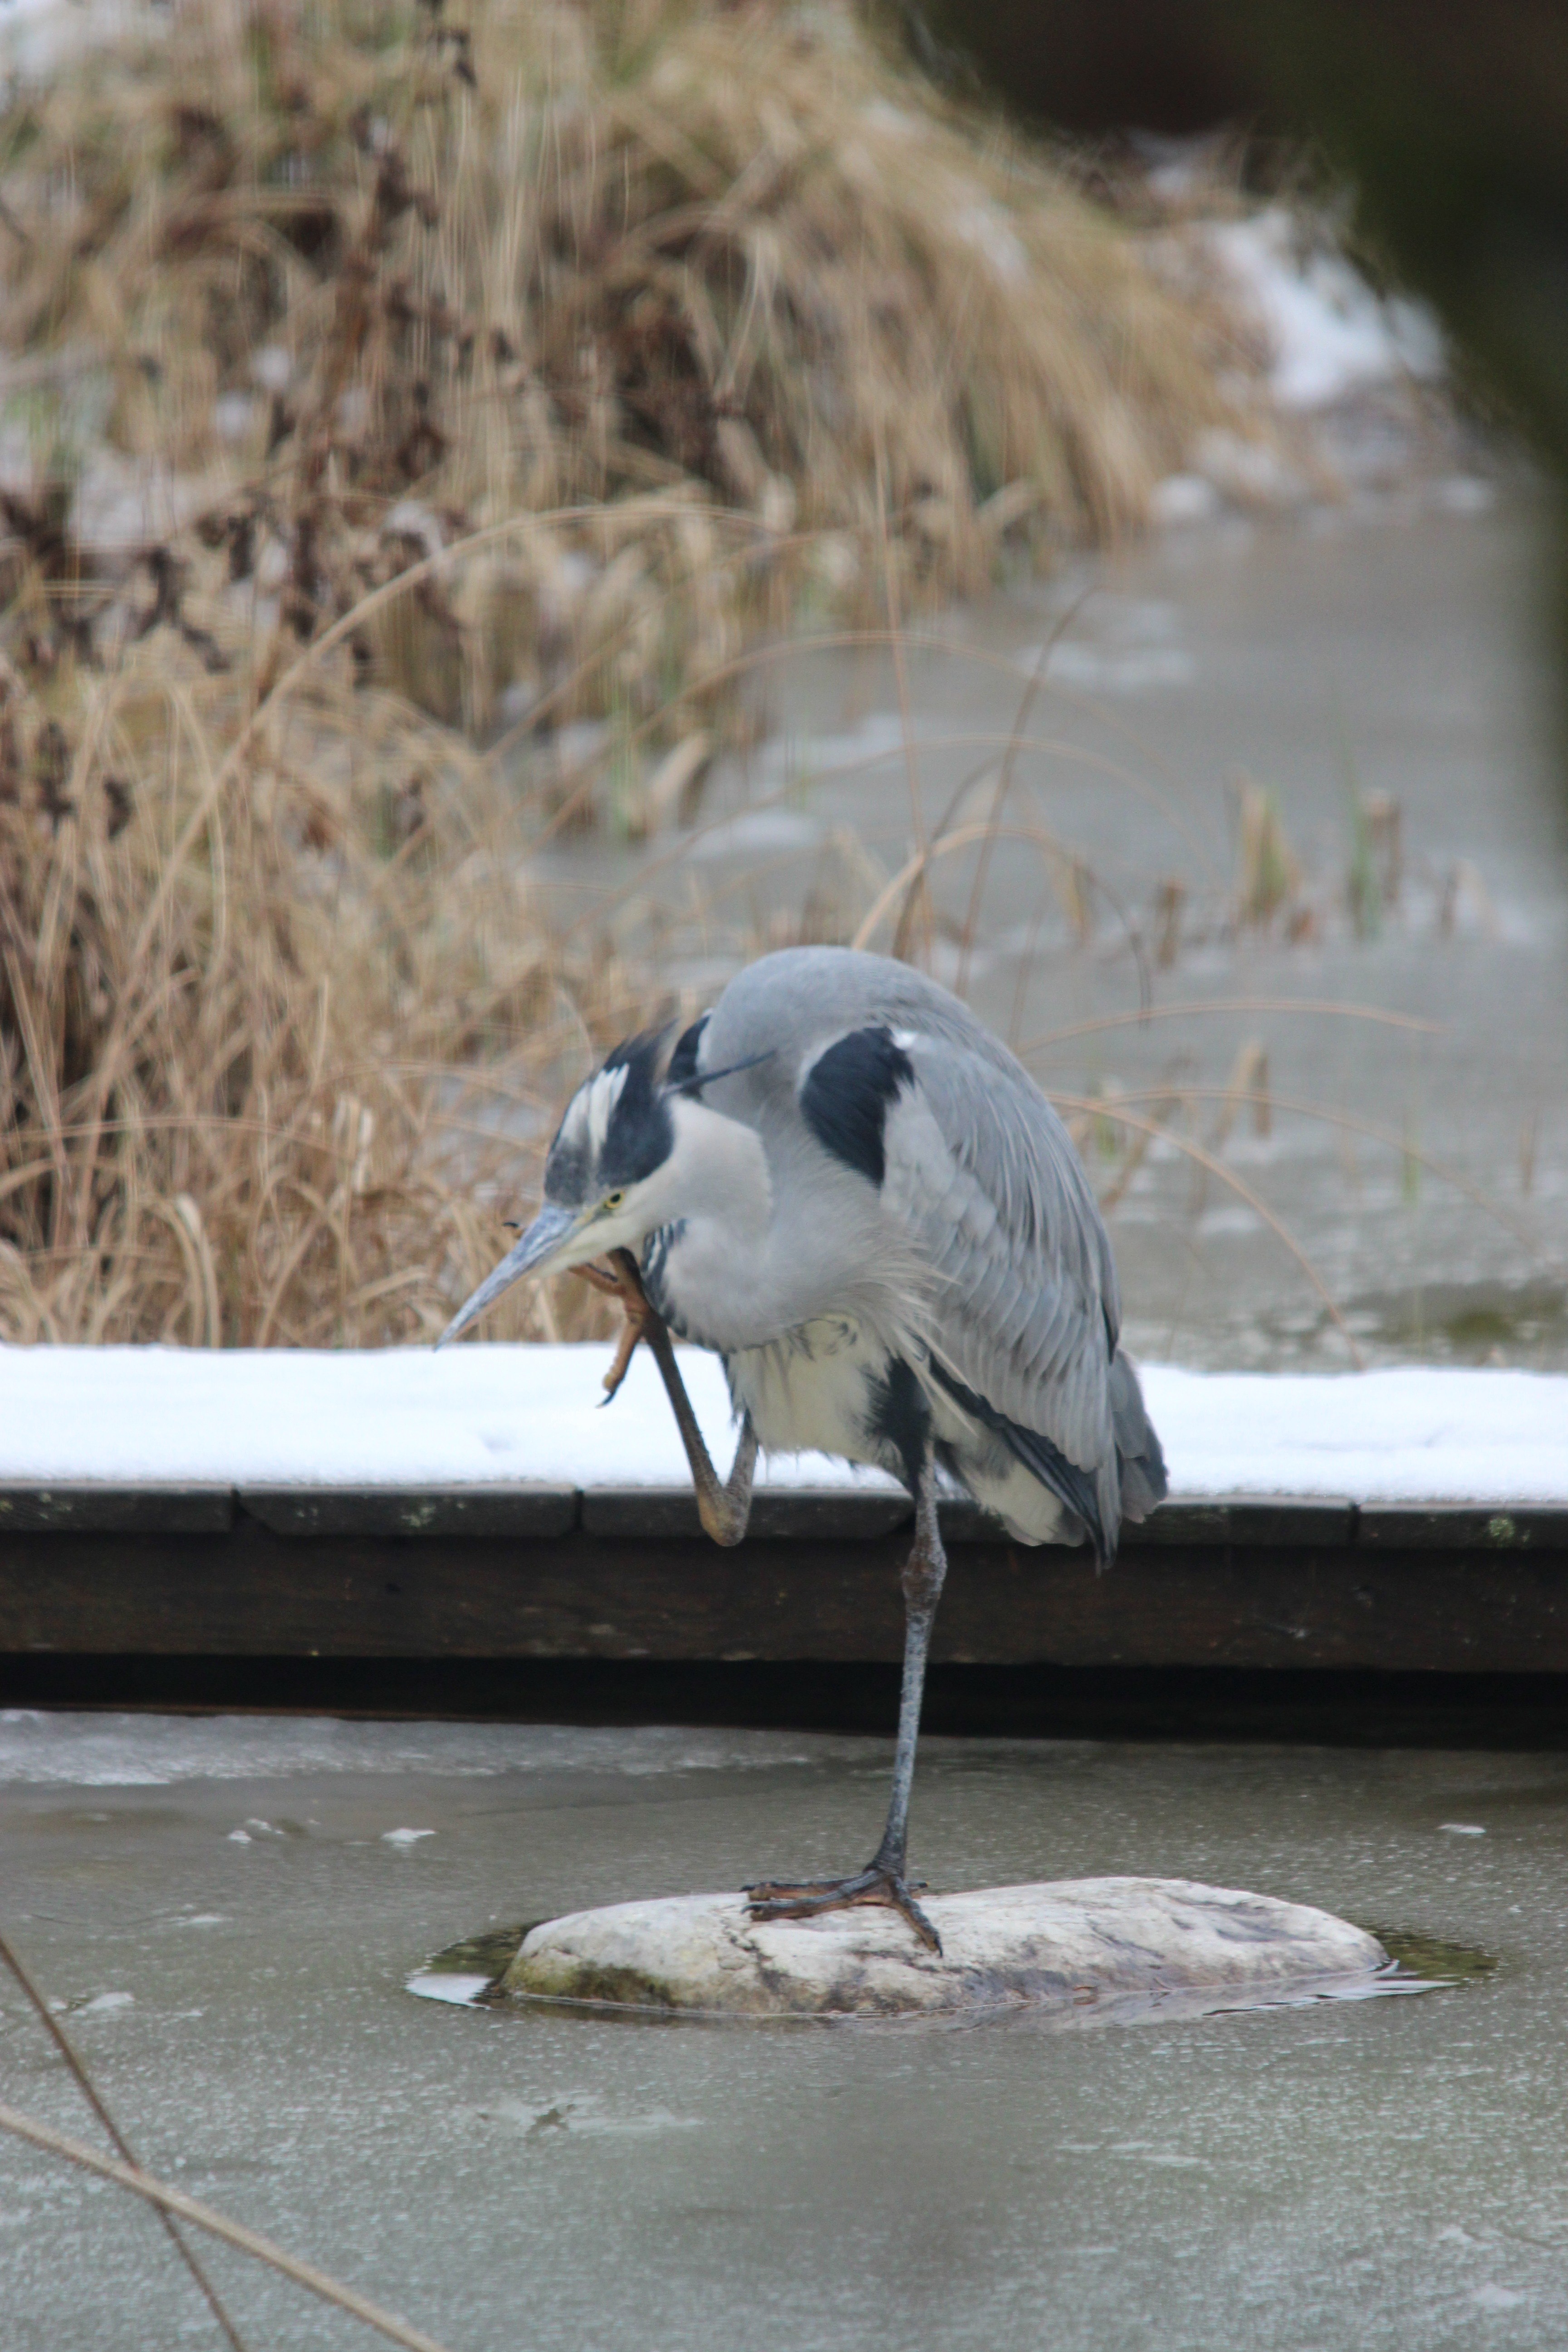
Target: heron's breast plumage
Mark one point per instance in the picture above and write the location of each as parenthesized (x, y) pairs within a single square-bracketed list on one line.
[(822, 1388)]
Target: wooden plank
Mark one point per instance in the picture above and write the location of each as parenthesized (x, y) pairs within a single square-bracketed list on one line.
[(1271, 1519), (1406, 1526), (793, 1514), (255, 1593), (126, 1510), (539, 1508), (531, 1511)]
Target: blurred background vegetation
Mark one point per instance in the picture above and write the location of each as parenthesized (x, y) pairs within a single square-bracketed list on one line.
[(421, 424), (1445, 122)]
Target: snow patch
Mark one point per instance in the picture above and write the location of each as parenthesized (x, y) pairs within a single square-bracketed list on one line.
[(1330, 333), (405, 1417)]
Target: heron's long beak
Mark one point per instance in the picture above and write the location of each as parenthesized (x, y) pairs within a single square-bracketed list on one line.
[(544, 1237)]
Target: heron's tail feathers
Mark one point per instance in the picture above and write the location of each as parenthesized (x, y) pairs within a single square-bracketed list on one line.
[(1137, 1453)]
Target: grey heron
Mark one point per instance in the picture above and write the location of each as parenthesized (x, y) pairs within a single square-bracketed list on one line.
[(840, 1181)]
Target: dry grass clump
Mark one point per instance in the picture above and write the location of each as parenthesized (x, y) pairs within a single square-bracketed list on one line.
[(383, 378), (388, 275), (280, 1024)]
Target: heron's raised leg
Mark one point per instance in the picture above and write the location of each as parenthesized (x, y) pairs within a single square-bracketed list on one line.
[(883, 1880), (725, 1506)]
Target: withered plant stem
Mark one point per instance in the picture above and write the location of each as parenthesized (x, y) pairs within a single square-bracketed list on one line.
[(89, 2090), (1101, 1106), (174, 2202)]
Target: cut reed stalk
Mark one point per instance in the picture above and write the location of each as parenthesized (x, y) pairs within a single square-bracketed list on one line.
[(90, 2092), (175, 2203)]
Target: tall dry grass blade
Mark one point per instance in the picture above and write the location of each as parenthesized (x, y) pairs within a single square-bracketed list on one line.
[(948, 845), (1098, 1107), (1326, 1006), (90, 2092), (175, 2203), (1005, 784)]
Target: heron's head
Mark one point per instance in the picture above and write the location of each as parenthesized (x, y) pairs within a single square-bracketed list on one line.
[(625, 1162)]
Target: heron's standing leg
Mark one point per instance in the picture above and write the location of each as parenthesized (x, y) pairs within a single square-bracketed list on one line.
[(725, 1506), (883, 1880)]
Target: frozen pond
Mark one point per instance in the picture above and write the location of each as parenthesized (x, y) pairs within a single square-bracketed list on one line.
[(1372, 672), (229, 1910), (230, 1913)]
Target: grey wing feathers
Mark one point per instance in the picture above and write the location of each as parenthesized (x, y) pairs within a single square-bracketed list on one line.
[(983, 1177), (1143, 1481)]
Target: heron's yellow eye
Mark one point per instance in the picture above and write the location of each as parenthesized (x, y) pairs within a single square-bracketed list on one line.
[(612, 1200)]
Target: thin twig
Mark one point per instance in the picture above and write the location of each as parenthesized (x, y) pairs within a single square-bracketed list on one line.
[(206, 2217), (1099, 1106), (1373, 1128), (919, 894), (1005, 784), (1234, 1004), (57, 2034)]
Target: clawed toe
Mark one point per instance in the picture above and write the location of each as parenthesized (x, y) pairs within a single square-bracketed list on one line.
[(807, 1898), (636, 1312)]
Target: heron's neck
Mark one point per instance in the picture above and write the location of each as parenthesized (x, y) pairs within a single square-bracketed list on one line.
[(709, 1266)]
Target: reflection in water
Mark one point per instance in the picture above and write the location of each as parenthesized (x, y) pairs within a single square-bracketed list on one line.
[(1432, 1959), (1469, 1322)]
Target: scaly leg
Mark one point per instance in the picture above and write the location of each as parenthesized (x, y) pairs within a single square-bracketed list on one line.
[(883, 1880), (725, 1506)]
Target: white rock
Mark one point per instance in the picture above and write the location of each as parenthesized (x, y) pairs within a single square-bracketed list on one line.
[(1076, 1941)]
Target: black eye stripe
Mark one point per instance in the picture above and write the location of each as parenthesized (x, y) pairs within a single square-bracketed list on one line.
[(638, 1134)]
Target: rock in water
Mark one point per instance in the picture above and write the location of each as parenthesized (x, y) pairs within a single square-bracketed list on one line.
[(1070, 1942)]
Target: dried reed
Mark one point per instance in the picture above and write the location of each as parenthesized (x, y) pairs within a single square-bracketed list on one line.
[(175, 2203), (390, 380), (561, 252), (91, 2093)]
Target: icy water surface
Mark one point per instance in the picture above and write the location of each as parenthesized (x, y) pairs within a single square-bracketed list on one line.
[(229, 1911), (1374, 673)]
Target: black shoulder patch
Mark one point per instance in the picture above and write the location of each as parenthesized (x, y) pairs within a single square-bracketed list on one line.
[(847, 1095), (683, 1061)]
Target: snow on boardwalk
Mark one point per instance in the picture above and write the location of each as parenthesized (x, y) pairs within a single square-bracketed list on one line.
[(476, 1416)]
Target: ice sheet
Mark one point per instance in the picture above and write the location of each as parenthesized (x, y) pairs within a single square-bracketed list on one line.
[(41, 1747), (478, 1415)]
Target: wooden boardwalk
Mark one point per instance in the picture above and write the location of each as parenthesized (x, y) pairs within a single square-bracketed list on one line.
[(545, 1572)]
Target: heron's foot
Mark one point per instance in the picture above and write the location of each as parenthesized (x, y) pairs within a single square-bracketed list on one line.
[(636, 1311), (804, 1898)]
